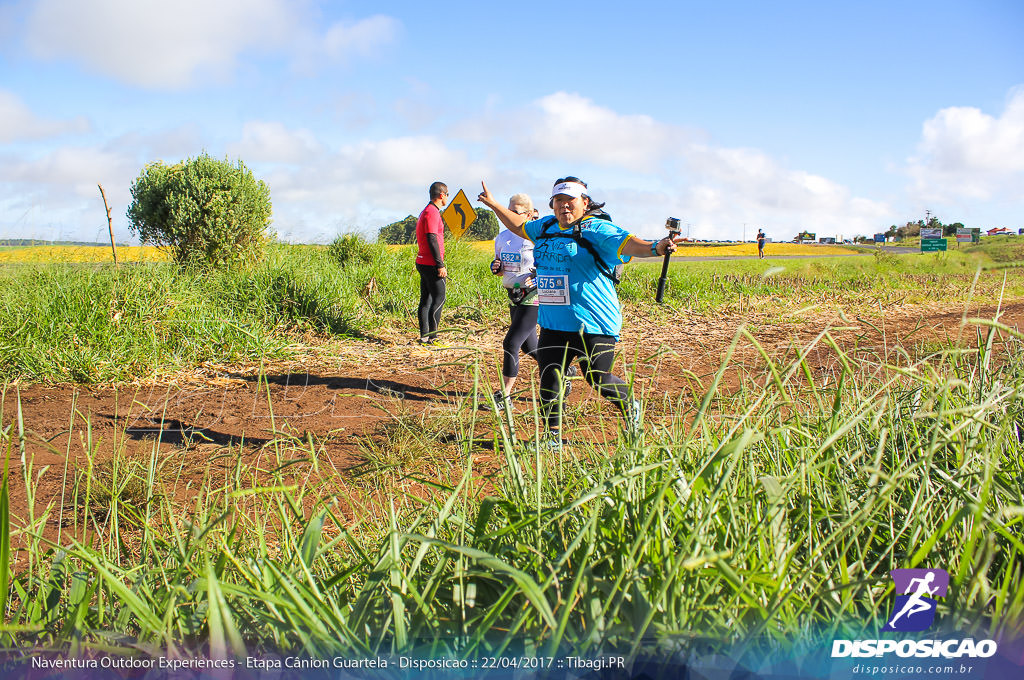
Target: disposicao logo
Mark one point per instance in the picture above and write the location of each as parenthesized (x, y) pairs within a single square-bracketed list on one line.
[(914, 610), (916, 590)]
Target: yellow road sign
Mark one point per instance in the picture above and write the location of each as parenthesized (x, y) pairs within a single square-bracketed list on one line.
[(459, 214)]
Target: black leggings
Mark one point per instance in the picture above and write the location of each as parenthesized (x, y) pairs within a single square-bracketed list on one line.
[(522, 334), (432, 292), (596, 353)]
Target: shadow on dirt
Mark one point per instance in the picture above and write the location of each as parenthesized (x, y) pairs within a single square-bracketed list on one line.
[(387, 388), (177, 433)]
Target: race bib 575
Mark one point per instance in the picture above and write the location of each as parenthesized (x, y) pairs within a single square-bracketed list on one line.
[(553, 289)]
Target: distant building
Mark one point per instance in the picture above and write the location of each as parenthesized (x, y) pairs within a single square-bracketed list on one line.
[(997, 230)]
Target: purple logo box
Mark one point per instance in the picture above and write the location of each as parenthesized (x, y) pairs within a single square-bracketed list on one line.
[(915, 603), (903, 577)]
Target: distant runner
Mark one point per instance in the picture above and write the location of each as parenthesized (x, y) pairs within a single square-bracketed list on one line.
[(760, 243)]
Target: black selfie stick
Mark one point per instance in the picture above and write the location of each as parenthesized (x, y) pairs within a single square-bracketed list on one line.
[(672, 224)]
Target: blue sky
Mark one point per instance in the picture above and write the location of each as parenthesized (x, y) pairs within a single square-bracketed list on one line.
[(839, 119)]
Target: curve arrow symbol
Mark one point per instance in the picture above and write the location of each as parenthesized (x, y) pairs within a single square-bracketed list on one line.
[(462, 214)]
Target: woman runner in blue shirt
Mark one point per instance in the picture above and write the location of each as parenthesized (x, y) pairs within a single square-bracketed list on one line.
[(575, 254)]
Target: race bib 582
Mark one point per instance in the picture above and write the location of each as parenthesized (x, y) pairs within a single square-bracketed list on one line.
[(511, 262)]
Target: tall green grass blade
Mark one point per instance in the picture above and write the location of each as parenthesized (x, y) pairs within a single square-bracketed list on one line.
[(5, 538)]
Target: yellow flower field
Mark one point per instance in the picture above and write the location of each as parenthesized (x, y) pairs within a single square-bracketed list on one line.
[(750, 250), (41, 254), (38, 254), (731, 249)]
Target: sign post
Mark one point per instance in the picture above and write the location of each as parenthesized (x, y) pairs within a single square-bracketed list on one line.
[(964, 235), (459, 214), (931, 240)]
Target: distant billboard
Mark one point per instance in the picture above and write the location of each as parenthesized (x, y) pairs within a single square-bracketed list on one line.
[(827, 239), (931, 240), (879, 238)]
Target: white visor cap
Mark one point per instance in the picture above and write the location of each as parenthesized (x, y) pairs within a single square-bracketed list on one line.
[(573, 189)]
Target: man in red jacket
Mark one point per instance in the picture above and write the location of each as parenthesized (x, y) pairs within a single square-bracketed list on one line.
[(430, 263)]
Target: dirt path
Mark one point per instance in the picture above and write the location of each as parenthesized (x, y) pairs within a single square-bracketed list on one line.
[(336, 402)]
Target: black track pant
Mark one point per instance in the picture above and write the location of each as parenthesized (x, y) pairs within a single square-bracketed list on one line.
[(596, 353), (522, 334), (432, 291)]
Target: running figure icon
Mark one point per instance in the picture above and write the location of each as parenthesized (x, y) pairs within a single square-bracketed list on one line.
[(916, 603), (917, 590)]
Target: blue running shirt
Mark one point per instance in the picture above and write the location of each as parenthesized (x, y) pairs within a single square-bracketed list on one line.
[(573, 293)]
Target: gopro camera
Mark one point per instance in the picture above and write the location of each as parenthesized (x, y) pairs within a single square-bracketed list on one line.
[(672, 224)]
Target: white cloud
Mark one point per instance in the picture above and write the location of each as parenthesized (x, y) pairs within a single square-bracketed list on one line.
[(76, 168), (732, 186), (59, 195), (272, 142), (161, 45), (167, 144), (571, 127), (647, 170), (360, 38), (965, 152), (403, 160), (362, 186), (317, 192), (754, 177), (59, 185), (18, 123)]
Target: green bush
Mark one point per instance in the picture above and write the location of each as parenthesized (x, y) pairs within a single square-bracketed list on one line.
[(350, 249), (401, 232), (206, 211), (484, 228)]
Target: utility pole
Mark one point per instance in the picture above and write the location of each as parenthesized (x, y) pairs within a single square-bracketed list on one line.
[(927, 217), (744, 232)]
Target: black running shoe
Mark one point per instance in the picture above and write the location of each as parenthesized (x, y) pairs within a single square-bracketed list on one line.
[(501, 400), (570, 372)]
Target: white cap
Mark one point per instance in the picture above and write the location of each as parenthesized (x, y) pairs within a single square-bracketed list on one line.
[(573, 189)]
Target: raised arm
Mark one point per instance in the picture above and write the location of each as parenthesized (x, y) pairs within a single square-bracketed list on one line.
[(513, 221), (637, 247)]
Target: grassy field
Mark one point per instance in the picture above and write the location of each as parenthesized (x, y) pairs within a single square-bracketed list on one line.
[(61, 322), (768, 514), (771, 516)]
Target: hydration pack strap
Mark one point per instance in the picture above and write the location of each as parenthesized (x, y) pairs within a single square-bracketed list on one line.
[(577, 235)]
